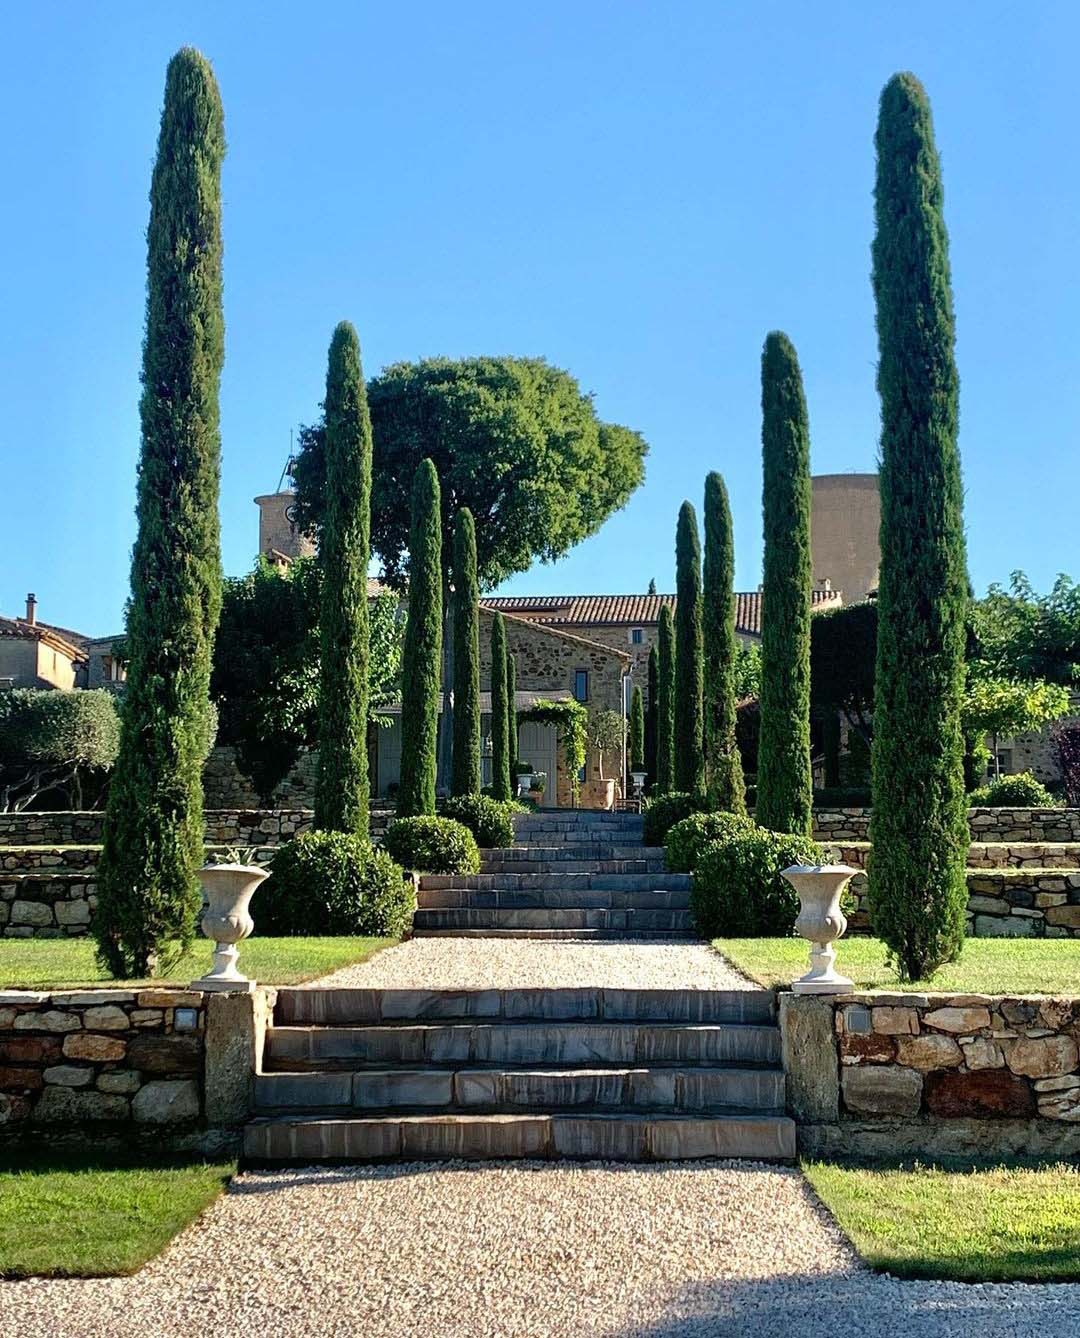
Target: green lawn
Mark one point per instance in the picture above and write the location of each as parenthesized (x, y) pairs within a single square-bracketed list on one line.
[(986, 966), (77, 1214), (69, 963), (972, 1222)]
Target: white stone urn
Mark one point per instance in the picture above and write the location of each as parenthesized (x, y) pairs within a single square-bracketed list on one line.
[(638, 779), (821, 921), (226, 920)]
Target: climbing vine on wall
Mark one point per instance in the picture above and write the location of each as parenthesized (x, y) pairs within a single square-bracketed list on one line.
[(572, 721)]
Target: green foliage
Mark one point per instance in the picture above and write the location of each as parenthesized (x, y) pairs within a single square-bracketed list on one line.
[(511, 719), (513, 439), (1021, 790), (689, 837), (999, 707), (265, 680), (501, 709), (747, 676), (148, 896), (918, 890), (689, 666), (421, 674), (785, 787), (334, 883), (491, 821), (606, 733), (571, 719), (1024, 635), (465, 778), (652, 716), (433, 845), (843, 651), (738, 888), (637, 729), (53, 741), (341, 784), (663, 811), (665, 704), (726, 787)]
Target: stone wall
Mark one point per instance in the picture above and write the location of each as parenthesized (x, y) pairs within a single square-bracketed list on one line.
[(933, 1074), (224, 826), (1002, 903), (226, 787), (167, 1063), (1006, 825), (60, 907)]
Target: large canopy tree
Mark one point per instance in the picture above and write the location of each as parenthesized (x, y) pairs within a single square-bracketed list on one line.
[(148, 895), (54, 742)]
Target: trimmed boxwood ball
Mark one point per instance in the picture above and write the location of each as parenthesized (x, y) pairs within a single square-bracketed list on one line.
[(334, 883), (688, 838), (663, 811), (491, 821), (433, 845), (738, 891), (1019, 791)]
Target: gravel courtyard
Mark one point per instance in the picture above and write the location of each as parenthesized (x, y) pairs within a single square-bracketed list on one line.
[(506, 963), (501, 1250)]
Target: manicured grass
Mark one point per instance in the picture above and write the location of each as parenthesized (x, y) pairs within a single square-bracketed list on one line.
[(986, 966), (68, 963), (81, 1215), (971, 1222)]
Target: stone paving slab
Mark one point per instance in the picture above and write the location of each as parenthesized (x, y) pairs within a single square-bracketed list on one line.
[(702, 1250)]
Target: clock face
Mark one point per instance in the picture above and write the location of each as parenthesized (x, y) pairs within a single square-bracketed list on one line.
[(290, 513)]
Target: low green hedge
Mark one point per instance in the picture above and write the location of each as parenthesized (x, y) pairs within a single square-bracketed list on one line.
[(491, 821), (737, 890), (1019, 791), (432, 845), (663, 811), (688, 838), (334, 883)]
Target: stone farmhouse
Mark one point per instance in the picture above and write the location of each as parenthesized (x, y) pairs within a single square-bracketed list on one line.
[(589, 647)]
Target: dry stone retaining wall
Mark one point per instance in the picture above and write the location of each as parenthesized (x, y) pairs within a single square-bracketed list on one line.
[(898, 1074), (175, 1065), (1004, 825), (1002, 903)]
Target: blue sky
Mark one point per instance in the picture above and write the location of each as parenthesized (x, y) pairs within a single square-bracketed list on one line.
[(637, 192)]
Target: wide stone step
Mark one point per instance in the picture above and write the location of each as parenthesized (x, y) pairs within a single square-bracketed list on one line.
[(543, 1044), (597, 935), (575, 1135), (560, 899), (685, 1090), (546, 851), (497, 864), (643, 921), (541, 882), (342, 1006)]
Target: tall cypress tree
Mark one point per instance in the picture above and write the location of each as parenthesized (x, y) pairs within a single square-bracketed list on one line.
[(727, 791), (511, 720), (652, 715), (919, 830), (341, 787), (785, 784), (500, 720), (466, 768), (689, 668), (637, 729), (148, 896), (421, 664), (665, 704)]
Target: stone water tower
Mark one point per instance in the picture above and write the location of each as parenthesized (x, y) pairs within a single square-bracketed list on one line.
[(845, 518)]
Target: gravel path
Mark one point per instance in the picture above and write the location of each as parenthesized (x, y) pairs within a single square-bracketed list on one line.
[(507, 963), (502, 1251)]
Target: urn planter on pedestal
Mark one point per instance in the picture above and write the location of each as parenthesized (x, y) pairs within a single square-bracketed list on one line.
[(227, 921), (821, 921)]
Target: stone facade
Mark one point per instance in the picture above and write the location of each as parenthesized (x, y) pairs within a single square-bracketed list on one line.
[(60, 907), (226, 787), (932, 1074)]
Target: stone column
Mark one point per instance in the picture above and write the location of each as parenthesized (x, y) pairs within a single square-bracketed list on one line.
[(235, 1030)]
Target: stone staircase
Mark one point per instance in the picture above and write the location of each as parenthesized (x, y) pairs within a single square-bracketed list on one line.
[(624, 1075), (578, 874)]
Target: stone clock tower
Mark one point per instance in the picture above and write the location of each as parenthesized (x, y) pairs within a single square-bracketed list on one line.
[(279, 538)]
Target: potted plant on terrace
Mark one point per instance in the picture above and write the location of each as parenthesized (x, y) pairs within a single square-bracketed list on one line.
[(606, 733)]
